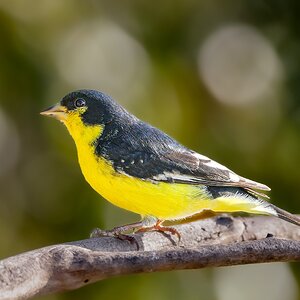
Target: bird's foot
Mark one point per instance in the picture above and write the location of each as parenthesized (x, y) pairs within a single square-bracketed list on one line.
[(97, 232), (118, 232), (163, 229), (147, 224)]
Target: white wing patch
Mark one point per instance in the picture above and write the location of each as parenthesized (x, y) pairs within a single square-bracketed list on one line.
[(233, 177), (223, 175), (175, 176), (160, 177), (213, 164), (209, 162), (201, 157)]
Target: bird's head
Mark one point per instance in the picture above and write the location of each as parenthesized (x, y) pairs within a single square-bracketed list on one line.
[(92, 107), (83, 110)]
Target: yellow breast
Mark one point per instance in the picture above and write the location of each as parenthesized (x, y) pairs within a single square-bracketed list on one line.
[(163, 200)]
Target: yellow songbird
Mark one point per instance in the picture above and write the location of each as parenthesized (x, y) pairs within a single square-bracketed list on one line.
[(141, 169)]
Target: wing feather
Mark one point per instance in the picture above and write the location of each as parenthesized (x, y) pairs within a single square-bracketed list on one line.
[(206, 171), (185, 167), (140, 150)]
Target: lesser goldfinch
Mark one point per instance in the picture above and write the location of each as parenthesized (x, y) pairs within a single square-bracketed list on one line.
[(141, 169)]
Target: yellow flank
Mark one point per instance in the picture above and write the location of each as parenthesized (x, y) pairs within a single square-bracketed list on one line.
[(162, 200)]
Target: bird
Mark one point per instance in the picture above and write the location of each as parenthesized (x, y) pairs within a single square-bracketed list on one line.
[(139, 168)]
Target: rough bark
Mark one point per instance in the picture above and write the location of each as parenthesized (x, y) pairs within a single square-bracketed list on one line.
[(219, 241)]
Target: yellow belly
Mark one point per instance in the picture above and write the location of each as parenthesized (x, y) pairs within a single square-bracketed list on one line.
[(162, 200), (165, 201)]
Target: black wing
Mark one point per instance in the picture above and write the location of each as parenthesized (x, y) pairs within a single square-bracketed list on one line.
[(145, 152)]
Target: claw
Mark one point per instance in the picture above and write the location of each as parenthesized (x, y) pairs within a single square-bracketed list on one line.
[(97, 232), (163, 229), (129, 238), (172, 230)]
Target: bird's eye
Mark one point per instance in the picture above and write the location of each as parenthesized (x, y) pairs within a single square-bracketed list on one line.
[(79, 102)]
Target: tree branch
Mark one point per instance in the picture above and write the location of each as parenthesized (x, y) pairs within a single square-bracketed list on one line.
[(219, 241)]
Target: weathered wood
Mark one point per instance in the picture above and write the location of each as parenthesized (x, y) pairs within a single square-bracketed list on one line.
[(219, 241)]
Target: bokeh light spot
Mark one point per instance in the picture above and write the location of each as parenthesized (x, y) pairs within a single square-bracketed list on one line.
[(271, 281), (101, 55), (238, 65)]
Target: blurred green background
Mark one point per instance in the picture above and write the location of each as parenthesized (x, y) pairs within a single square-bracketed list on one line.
[(222, 77)]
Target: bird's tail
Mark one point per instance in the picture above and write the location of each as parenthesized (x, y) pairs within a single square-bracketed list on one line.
[(284, 215)]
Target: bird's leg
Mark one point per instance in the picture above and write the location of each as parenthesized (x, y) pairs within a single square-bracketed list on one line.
[(117, 232), (146, 221), (158, 227)]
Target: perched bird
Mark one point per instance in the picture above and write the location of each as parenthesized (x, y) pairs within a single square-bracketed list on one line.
[(141, 169)]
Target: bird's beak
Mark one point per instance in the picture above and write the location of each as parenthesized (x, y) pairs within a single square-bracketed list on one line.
[(56, 111)]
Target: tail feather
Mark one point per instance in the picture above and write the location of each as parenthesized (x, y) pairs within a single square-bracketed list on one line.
[(284, 215)]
